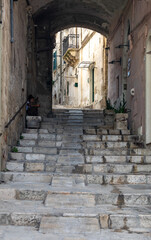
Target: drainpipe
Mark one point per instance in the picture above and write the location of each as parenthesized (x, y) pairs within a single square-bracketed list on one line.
[(61, 52), (11, 21)]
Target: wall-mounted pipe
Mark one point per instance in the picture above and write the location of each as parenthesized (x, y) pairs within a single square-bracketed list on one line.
[(11, 21)]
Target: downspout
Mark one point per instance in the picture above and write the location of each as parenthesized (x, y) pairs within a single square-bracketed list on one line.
[(61, 53), (12, 20)]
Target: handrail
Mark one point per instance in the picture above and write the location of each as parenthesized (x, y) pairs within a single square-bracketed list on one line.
[(13, 118)]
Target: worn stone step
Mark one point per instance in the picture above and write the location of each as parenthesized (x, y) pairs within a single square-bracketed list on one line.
[(30, 135), (70, 151), (118, 159), (71, 145), (16, 156), (121, 168), (31, 131), (72, 225), (68, 200), (106, 152), (26, 177), (118, 179), (15, 166), (108, 145), (81, 225), (103, 168), (45, 150), (71, 159), (117, 195), (27, 143), (67, 165), (97, 131), (105, 138), (20, 157), (68, 138), (27, 233), (141, 151), (24, 149), (74, 222), (47, 136), (116, 152), (66, 179), (46, 143)]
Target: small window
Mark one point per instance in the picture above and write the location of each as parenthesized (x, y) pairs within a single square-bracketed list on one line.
[(55, 61)]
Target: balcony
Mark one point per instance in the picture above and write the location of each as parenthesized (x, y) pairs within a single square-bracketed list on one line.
[(71, 49)]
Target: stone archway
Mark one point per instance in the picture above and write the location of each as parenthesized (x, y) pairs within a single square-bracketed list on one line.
[(51, 16)]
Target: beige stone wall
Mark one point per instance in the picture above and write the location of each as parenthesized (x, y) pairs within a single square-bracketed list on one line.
[(138, 13), (13, 82), (91, 50)]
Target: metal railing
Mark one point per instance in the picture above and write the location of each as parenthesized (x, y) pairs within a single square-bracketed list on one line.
[(13, 118), (71, 41)]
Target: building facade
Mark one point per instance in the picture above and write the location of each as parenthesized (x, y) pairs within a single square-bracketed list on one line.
[(129, 45), (79, 68)]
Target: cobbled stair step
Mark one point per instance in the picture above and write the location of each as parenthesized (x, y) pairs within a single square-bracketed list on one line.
[(77, 178), (88, 219), (27, 233)]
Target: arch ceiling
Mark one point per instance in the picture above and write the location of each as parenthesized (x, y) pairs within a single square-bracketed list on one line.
[(94, 14)]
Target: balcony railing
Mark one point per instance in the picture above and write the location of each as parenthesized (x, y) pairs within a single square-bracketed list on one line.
[(71, 41)]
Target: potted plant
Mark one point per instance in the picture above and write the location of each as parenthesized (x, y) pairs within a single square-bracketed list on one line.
[(121, 115)]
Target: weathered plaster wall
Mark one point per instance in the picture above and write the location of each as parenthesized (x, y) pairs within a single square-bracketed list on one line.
[(14, 62), (92, 45), (139, 15)]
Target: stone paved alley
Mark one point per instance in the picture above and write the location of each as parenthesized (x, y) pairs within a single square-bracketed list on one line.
[(77, 178)]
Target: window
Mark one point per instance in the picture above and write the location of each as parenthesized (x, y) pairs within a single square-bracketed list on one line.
[(55, 61), (67, 88)]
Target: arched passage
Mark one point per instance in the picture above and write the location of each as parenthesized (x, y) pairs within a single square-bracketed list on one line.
[(51, 16)]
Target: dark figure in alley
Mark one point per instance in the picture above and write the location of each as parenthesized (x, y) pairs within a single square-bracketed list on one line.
[(32, 106)]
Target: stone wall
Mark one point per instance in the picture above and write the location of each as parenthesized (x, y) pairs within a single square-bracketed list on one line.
[(40, 65), (14, 61), (132, 70)]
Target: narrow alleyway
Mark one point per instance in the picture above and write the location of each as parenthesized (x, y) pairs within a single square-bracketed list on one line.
[(76, 178)]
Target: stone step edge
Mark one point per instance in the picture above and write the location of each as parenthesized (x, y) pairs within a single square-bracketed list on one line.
[(87, 179), (117, 199), (105, 221)]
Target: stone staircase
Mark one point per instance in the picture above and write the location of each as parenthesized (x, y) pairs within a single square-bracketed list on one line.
[(77, 178)]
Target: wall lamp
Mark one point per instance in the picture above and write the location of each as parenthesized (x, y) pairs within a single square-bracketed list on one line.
[(116, 61), (122, 46)]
